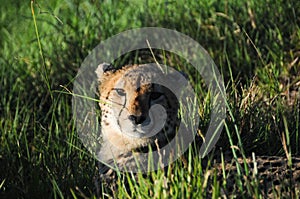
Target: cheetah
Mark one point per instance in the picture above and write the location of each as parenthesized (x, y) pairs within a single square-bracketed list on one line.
[(127, 124)]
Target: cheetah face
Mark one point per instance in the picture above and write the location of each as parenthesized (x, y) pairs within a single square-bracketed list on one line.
[(135, 111), (139, 110)]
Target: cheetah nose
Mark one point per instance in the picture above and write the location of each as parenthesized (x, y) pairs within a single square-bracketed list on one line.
[(137, 119)]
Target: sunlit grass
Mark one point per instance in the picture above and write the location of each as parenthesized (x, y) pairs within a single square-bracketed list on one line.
[(255, 46)]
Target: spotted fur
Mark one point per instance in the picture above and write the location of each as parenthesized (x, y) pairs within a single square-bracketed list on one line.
[(126, 97)]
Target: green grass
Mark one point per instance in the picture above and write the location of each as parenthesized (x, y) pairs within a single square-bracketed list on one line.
[(256, 46)]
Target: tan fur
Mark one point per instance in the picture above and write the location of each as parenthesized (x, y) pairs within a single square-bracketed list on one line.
[(134, 82)]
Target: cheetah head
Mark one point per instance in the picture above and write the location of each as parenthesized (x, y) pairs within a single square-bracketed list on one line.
[(134, 110)]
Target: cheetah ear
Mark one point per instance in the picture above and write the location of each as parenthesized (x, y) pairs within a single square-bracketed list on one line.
[(101, 69)]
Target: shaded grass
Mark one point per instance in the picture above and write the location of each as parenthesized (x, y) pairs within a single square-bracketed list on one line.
[(256, 46)]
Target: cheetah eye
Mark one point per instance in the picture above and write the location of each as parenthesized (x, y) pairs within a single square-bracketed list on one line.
[(155, 95), (120, 91)]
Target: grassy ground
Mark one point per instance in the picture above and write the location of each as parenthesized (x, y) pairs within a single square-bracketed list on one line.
[(255, 44)]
